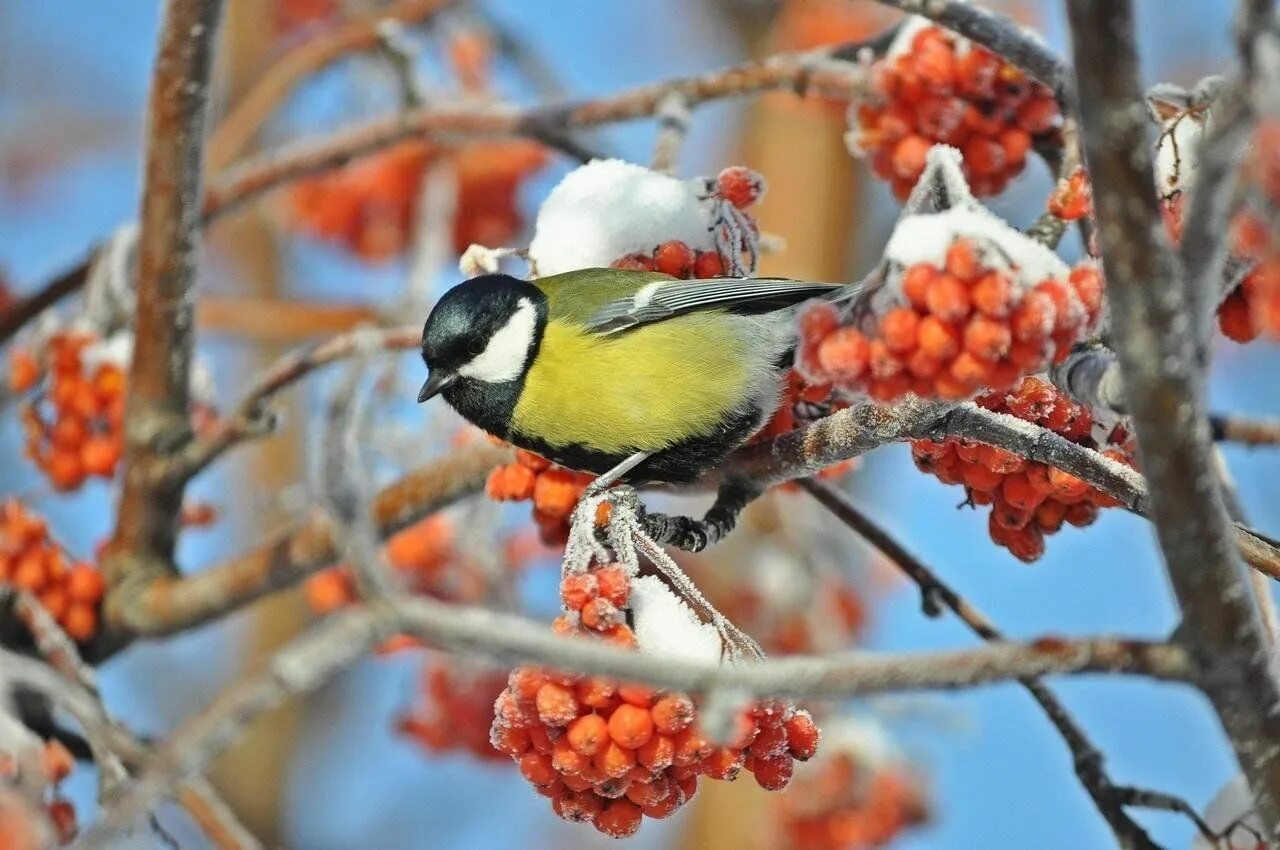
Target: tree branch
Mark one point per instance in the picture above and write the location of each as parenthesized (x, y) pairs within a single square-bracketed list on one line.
[(1086, 757), (20, 312), (234, 133), (338, 641), (156, 415), (169, 604), (250, 417), (1165, 390)]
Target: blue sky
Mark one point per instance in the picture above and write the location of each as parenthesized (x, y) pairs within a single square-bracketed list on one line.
[(999, 775)]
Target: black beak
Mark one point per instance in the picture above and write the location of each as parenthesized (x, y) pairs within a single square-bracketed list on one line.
[(436, 383)]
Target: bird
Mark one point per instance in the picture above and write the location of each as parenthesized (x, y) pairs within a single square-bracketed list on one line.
[(629, 375)]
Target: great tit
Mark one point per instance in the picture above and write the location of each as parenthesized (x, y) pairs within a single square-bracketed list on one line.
[(604, 369)]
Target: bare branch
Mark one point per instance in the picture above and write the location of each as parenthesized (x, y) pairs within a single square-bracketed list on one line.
[(1234, 428), (168, 604), (234, 133), (20, 312), (156, 415), (250, 417), (802, 73), (934, 592), (1165, 389)]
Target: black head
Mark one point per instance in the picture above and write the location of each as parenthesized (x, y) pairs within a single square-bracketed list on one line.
[(483, 330)]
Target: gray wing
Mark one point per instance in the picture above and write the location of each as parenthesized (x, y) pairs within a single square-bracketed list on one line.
[(665, 299)]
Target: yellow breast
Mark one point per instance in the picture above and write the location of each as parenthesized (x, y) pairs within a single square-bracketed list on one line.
[(644, 390)]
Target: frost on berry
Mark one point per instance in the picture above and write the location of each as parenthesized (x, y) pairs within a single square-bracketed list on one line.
[(967, 304), (1028, 500), (935, 87), (612, 753)]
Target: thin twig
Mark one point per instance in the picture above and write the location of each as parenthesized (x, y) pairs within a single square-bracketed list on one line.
[(674, 119), (934, 592), (250, 419), (1165, 389), (234, 133), (1234, 428), (16, 315)]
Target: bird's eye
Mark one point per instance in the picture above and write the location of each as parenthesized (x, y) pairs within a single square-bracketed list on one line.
[(475, 348)]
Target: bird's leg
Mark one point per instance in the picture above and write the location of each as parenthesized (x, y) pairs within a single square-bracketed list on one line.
[(609, 478), (694, 535)]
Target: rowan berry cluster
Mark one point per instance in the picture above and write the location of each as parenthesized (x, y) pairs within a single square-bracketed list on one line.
[(734, 190), (953, 328), (371, 206), (839, 802), (454, 708), (612, 753), (71, 591), (75, 425), (1028, 500), (935, 87), (553, 490), (55, 765)]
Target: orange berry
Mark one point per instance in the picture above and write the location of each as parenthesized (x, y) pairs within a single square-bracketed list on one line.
[(972, 370), (938, 339), (844, 354), (649, 793), (1081, 514), (620, 635), (898, 329), (328, 590), (987, 338), (983, 157), (537, 768), (1034, 318), (509, 740), (631, 726), (633, 262), (690, 746), (723, 763), (85, 584), (64, 469), (55, 600), (1066, 487), (601, 615), (909, 156), (1016, 143), (962, 260), (915, 283), (24, 371), (1235, 319), (949, 388), (614, 584), (803, 735), (657, 753), (588, 734), (947, 298), (597, 692), (56, 761), (577, 590), (818, 320), (539, 738), (614, 760), (773, 774), (99, 455), (882, 362), (619, 819), (708, 264), (636, 694), (565, 759), (1050, 515), (68, 432), (80, 622), (740, 186), (672, 713), (556, 704), (579, 806), (674, 258), (556, 492), (1018, 492), (31, 571)]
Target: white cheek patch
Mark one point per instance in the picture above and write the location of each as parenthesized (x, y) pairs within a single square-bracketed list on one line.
[(504, 357)]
